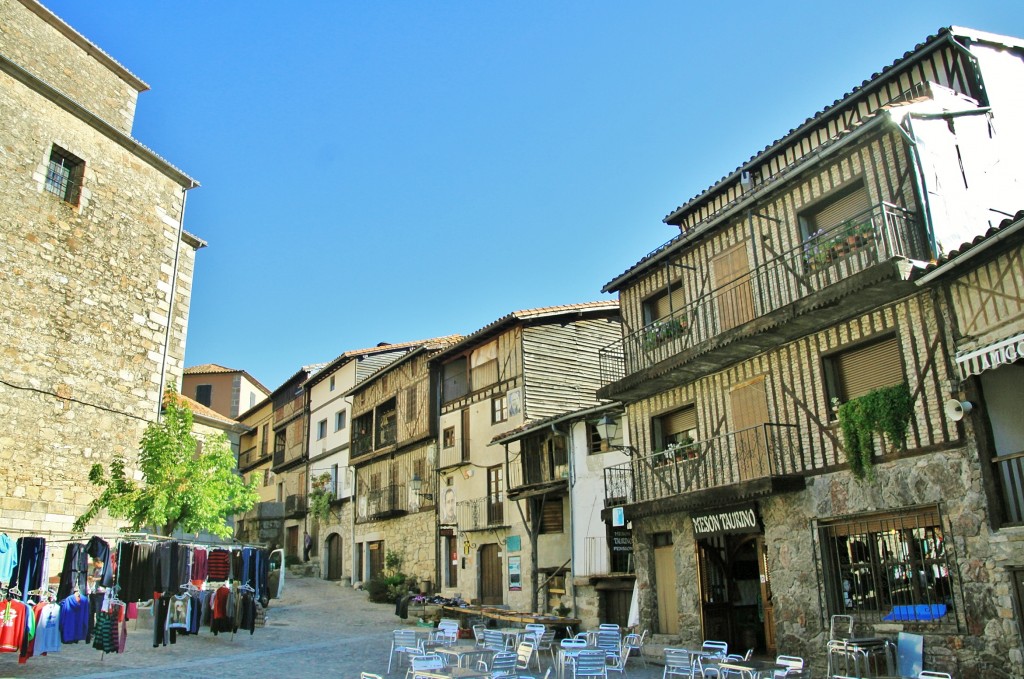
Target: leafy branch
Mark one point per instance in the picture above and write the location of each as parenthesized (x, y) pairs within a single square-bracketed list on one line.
[(320, 497), (885, 411)]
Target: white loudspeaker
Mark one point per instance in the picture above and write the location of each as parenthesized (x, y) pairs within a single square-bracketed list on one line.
[(955, 410)]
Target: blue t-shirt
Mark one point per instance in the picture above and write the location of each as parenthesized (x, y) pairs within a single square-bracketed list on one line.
[(8, 558), (74, 619)]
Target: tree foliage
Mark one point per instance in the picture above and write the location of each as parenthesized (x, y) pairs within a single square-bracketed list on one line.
[(181, 487), (320, 497)]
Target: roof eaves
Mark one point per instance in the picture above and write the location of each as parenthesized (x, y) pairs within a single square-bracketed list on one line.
[(536, 425)]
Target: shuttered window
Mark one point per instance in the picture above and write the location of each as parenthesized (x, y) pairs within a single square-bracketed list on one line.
[(663, 304), (675, 427), (551, 519), (855, 372), (847, 204)]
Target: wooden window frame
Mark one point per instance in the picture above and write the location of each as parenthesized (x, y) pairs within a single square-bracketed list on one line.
[(835, 387), (340, 420), (448, 437), (499, 409), (64, 174)]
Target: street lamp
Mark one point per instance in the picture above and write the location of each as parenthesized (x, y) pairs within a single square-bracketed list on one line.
[(416, 484), (607, 427)]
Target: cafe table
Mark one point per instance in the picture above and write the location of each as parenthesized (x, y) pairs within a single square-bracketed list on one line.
[(748, 669), (566, 653), (451, 673), (457, 653), (511, 635)]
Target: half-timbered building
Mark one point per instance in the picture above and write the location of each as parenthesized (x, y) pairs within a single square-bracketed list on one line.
[(760, 505), (330, 413), (525, 366), (393, 452)]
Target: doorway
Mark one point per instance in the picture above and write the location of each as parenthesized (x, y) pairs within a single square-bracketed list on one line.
[(334, 557), (490, 575), (735, 592), (665, 584), (292, 542)]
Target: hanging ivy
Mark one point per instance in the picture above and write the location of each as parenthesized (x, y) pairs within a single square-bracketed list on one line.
[(320, 497), (885, 411)]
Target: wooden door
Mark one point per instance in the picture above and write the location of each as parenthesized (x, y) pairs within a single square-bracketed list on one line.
[(749, 411), (376, 558), (292, 542), (734, 292), (766, 596), (665, 589), (464, 441), (490, 575), (334, 558)]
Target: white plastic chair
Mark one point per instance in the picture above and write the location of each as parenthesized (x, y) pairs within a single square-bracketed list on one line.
[(571, 647), (447, 632), (403, 643), (791, 662), (679, 662), (632, 642), (478, 634), (718, 649), (524, 654), (928, 674), (546, 643), (424, 663), (590, 664), (494, 640), (503, 663), (840, 627)]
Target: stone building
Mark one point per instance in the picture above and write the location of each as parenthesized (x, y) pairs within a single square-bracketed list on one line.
[(264, 523), (330, 410), (393, 452), (766, 345), (97, 269)]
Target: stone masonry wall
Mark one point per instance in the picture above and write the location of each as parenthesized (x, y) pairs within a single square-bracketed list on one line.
[(83, 306), (38, 47), (412, 536)]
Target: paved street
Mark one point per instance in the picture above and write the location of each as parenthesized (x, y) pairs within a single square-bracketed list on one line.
[(317, 629)]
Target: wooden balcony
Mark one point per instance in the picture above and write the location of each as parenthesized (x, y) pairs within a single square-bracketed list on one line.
[(754, 462), (383, 503), (836, 273), (531, 474), (482, 514)]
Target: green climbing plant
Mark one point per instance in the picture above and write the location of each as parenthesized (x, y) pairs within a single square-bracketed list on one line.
[(320, 497), (885, 411)]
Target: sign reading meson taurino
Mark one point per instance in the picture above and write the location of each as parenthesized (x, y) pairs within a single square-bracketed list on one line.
[(742, 519)]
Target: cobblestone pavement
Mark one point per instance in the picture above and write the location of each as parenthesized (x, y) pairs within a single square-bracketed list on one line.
[(317, 629)]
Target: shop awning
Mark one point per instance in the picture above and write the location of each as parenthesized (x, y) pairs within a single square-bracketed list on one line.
[(990, 356)]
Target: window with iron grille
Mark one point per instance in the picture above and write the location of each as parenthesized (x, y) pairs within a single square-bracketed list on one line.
[(894, 566), (64, 175)]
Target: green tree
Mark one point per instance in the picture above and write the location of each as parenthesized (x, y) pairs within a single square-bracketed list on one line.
[(180, 488)]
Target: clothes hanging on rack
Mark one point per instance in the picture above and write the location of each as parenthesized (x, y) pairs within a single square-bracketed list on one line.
[(47, 639), (135, 571), (218, 565), (99, 549), (17, 628), (199, 571), (75, 571), (8, 558), (28, 573), (74, 618)]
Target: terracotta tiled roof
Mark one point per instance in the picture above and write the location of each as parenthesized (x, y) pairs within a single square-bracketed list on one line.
[(533, 314), (965, 248), (214, 369), (383, 347), (198, 408), (209, 368)]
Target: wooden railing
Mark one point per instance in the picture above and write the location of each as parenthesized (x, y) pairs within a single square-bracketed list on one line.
[(822, 260), (748, 454)]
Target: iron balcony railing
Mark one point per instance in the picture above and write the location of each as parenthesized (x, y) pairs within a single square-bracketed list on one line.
[(766, 450), (823, 259), (529, 470), (386, 501), (482, 513)]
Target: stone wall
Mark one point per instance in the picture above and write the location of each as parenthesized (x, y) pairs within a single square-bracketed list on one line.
[(413, 536), (42, 45), (84, 300)]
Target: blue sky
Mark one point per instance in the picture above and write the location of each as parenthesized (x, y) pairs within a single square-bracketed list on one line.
[(389, 171)]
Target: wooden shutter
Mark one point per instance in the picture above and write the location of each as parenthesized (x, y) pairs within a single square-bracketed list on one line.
[(679, 421), (838, 211), (665, 304), (869, 367), (735, 297), (551, 520)]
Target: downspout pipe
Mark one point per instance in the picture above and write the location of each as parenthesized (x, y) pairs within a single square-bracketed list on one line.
[(170, 305), (572, 506), (919, 189)]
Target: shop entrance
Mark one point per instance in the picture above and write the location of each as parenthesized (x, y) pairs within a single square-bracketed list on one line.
[(735, 591)]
